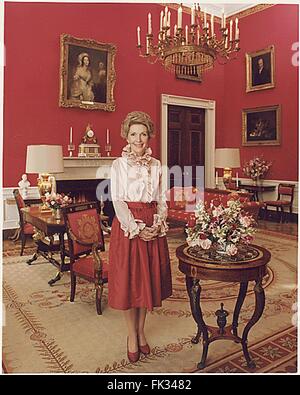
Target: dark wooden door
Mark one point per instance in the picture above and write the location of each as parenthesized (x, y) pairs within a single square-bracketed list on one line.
[(186, 142)]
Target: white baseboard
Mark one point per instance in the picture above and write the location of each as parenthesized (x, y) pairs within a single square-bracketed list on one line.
[(10, 211)]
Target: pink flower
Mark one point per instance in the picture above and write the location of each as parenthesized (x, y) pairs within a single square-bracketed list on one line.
[(231, 250), (216, 202), (205, 244), (245, 221)]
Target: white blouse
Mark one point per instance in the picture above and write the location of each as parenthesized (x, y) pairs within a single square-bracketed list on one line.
[(137, 179)]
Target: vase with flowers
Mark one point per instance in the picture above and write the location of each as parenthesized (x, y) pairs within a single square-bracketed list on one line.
[(256, 169), (56, 201), (221, 228)]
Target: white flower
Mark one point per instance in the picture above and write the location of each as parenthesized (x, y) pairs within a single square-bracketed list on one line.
[(217, 211), (193, 242)]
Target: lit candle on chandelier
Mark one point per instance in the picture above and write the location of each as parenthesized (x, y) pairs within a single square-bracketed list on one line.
[(204, 18), (217, 178), (175, 30), (149, 24), (71, 135), (236, 28), (186, 34), (138, 36), (193, 15), (212, 25), (161, 20), (230, 30), (107, 136), (169, 24), (179, 18), (166, 17), (226, 40), (237, 179)]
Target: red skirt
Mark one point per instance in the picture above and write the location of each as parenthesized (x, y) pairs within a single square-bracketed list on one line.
[(139, 271)]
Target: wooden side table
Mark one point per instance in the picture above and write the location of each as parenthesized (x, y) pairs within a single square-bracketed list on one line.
[(257, 190), (249, 265)]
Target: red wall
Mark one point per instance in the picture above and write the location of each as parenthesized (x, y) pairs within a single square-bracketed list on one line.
[(31, 80), (277, 25)]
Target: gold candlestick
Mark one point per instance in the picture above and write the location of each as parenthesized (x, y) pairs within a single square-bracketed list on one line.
[(71, 148), (108, 149)]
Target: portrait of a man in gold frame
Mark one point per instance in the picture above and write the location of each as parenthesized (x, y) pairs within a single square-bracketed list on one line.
[(260, 69), (87, 74)]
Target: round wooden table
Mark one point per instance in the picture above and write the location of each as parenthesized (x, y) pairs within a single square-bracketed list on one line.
[(249, 265)]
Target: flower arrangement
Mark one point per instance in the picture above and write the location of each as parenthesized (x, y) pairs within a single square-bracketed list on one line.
[(256, 168), (56, 200), (221, 227)]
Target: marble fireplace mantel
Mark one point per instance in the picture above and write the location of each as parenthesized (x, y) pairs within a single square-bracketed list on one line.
[(81, 168)]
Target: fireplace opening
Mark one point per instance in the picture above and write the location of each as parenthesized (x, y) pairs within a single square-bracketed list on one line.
[(85, 191)]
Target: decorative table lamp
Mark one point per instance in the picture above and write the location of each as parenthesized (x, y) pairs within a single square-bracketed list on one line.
[(45, 160), (227, 158)]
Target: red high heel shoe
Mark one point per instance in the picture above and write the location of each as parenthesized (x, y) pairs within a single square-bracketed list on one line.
[(132, 356), (145, 349)]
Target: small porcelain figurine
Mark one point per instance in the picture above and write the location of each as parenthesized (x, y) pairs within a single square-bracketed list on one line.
[(24, 184)]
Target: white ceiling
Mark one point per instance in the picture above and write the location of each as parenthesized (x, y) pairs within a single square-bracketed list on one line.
[(217, 9)]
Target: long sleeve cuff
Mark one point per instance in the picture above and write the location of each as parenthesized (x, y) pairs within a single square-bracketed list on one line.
[(161, 221), (133, 229)]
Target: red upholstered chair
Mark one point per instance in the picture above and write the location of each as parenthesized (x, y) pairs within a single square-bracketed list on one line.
[(285, 198), (85, 237), (26, 229)]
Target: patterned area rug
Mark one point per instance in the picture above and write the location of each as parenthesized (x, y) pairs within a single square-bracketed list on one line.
[(44, 332)]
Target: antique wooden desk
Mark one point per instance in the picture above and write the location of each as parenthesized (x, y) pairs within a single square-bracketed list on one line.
[(257, 190), (47, 225), (198, 265)]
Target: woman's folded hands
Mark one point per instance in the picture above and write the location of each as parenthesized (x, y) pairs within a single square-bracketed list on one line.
[(149, 233)]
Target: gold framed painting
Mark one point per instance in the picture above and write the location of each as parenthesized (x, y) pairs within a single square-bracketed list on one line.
[(87, 74), (260, 69), (261, 126)]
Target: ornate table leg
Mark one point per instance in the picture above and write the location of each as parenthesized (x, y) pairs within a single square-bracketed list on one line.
[(194, 290), (259, 308), (59, 274), (238, 306), (56, 278), (33, 258)]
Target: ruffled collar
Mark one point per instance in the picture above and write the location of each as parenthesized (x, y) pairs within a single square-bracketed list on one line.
[(143, 160)]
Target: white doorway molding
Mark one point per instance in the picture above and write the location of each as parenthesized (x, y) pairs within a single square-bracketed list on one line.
[(210, 114)]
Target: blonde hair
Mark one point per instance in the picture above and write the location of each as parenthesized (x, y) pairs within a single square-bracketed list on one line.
[(134, 118)]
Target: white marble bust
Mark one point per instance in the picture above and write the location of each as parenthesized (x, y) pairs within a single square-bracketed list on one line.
[(24, 184)]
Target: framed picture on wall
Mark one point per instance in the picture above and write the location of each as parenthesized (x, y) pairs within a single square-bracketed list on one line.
[(260, 69), (261, 126), (87, 74)]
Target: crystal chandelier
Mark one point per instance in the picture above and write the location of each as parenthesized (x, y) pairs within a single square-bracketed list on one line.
[(192, 50)]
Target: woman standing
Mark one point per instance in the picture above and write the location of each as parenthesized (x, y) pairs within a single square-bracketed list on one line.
[(83, 83), (139, 264)]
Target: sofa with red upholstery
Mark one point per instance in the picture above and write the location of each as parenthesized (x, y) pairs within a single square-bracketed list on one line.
[(182, 201)]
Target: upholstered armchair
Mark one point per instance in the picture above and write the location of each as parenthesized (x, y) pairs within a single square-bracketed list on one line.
[(26, 230), (85, 239)]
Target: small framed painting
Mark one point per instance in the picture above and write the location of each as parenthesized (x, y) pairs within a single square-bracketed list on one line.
[(261, 126), (260, 69)]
